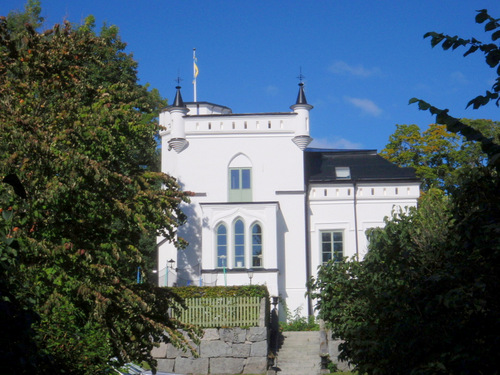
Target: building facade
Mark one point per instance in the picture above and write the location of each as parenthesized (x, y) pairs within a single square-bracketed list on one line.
[(263, 202)]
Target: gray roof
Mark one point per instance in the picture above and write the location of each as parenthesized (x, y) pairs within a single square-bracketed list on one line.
[(246, 114), (207, 103), (364, 165), (301, 98), (178, 103)]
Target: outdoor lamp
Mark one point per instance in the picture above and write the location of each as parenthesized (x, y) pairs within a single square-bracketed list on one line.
[(275, 301), (171, 263), (250, 275)]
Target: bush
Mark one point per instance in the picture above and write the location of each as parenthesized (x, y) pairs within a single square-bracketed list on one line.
[(220, 291), (297, 322)]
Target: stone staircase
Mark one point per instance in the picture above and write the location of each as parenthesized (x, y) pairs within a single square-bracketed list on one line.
[(299, 354)]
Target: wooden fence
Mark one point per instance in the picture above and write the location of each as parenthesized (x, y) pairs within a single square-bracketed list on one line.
[(222, 312)]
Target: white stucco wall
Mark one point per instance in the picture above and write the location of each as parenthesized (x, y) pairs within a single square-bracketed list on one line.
[(263, 142), (332, 208), (277, 198)]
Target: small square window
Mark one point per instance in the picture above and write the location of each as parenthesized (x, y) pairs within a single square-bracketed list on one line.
[(343, 173)]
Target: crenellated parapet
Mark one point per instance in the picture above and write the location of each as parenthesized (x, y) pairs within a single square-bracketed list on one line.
[(182, 120)]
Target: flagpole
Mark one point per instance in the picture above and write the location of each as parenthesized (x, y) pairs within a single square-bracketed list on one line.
[(195, 74)]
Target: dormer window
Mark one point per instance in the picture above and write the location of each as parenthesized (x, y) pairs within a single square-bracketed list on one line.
[(343, 173)]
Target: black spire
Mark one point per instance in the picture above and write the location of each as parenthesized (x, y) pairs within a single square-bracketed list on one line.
[(301, 98), (178, 98)]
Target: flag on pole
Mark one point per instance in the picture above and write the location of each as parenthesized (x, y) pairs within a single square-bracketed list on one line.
[(195, 73), (195, 65)]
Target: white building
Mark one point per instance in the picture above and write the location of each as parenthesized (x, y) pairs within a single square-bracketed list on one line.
[(263, 201)]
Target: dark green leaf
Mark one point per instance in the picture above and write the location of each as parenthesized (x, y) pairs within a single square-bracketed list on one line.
[(436, 40), (493, 58), (7, 214), (482, 16), (472, 49), (492, 25), (423, 105), (447, 44)]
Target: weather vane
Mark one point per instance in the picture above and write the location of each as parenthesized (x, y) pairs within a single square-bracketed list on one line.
[(178, 79), (300, 76)]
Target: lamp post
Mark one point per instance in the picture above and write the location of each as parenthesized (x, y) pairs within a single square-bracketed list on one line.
[(154, 277), (250, 275), (275, 301), (169, 265), (223, 257)]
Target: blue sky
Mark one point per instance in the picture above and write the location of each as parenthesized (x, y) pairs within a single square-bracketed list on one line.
[(362, 59)]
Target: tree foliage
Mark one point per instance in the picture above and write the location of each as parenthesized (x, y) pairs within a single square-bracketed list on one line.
[(31, 14), (79, 132), (425, 298), (18, 347), (439, 157), (492, 56), (491, 52)]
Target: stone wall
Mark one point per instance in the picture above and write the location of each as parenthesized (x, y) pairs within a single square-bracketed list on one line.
[(328, 345), (221, 351)]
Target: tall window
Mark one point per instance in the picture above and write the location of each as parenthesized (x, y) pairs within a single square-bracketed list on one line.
[(256, 245), (332, 246), (221, 246), (239, 244), (240, 184)]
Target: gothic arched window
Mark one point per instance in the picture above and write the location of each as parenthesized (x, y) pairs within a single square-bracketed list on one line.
[(239, 244), (256, 245), (221, 246)]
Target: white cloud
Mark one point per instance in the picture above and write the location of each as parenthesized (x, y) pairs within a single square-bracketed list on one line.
[(334, 143), (341, 67), (459, 77), (272, 90), (367, 106)]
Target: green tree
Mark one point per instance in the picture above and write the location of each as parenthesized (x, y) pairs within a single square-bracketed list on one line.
[(79, 131), (439, 157), (18, 348), (424, 299), (31, 14)]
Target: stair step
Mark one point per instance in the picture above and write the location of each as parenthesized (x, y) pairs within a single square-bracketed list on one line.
[(299, 354)]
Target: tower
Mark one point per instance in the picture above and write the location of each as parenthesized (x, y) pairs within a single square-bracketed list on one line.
[(302, 108), (178, 110)]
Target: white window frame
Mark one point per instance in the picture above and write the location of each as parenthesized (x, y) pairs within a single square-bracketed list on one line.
[(238, 243), (253, 245), (234, 258), (224, 261), (334, 254)]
